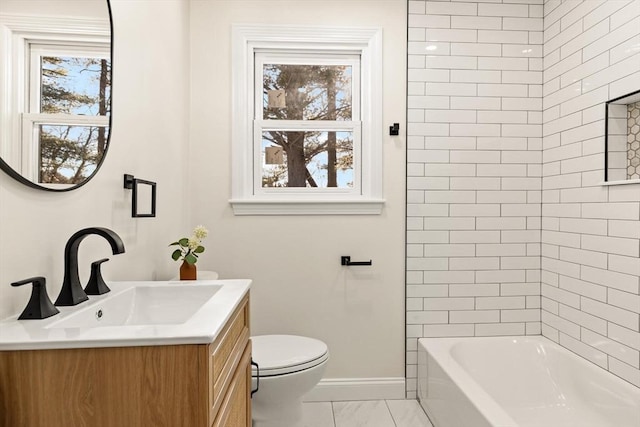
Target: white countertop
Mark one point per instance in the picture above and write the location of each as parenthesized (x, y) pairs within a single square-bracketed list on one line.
[(201, 328)]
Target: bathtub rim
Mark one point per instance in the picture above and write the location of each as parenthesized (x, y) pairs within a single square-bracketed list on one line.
[(439, 350)]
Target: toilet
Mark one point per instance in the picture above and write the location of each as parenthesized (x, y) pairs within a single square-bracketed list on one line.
[(289, 366)]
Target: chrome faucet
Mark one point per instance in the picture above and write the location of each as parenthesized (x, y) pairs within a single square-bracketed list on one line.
[(72, 292)]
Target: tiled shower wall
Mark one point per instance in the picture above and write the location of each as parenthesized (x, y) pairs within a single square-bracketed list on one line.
[(493, 248), (590, 232), (475, 167)]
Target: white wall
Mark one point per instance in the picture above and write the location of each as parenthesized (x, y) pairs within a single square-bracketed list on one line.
[(590, 232), (474, 153), (299, 286), (150, 104)]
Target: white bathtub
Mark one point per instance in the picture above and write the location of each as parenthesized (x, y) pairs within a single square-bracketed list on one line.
[(519, 381)]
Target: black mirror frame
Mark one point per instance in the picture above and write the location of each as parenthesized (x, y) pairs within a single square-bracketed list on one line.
[(15, 175)]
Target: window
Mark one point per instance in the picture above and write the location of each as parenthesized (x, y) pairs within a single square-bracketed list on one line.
[(54, 121), (307, 125)]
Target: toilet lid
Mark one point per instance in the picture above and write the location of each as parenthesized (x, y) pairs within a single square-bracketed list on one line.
[(284, 354)]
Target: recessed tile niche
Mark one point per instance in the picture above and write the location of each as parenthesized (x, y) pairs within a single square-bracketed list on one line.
[(622, 139)]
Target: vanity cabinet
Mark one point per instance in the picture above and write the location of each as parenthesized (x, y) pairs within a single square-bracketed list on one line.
[(187, 385)]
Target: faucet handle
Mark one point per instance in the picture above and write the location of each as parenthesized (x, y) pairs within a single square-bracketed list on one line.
[(96, 285), (39, 305)]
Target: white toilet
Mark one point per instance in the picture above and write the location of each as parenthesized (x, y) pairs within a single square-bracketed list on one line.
[(289, 367)]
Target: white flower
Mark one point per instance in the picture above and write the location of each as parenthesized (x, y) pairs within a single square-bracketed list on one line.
[(200, 232), (194, 242)]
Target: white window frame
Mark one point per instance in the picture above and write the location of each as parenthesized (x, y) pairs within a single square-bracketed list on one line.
[(247, 196), (18, 117)]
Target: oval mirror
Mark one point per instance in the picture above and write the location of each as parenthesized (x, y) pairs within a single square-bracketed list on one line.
[(55, 77)]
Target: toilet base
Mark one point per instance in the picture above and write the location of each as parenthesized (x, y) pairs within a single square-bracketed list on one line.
[(277, 415)]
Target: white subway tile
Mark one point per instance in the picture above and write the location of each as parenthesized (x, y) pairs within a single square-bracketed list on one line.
[(623, 264), (531, 24), (474, 290), (429, 21), (474, 236), (502, 117), (585, 38), (499, 329), (426, 291), (448, 250), (458, 303), (477, 49), (427, 264), (529, 77), (446, 8), (628, 211), (476, 263), (499, 36), (506, 90), (474, 130), (424, 75), (579, 256), (560, 295), (526, 315), (450, 35), (528, 236), (475, 183), (613, 314), (451, 143), (510, 302), (476, 22), (621, 281), (583, 319), (452, 62), (474, 316), (458, 330), (500, 276), (514, 249), (501, 223), (449, 276), (453, 89), (475, 103), (624, 300), (616, 36), (421, 317), (560, 324), (522, 103), (501, 170), (450, 196), (503, 64), (475, 76), (450, 116), (449, 224), (518, 10)]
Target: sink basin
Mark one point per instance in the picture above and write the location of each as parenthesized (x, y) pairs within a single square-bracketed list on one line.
[(142, 305), (134, 313)]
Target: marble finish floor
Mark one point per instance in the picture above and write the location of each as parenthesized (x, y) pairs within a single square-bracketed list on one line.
[(369, 413)]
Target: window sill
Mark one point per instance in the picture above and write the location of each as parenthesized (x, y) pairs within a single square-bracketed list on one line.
[(307, 207)]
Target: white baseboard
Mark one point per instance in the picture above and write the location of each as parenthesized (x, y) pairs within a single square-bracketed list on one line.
[(340, 389)]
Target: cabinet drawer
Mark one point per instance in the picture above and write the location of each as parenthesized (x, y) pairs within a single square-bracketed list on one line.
[(225, 354), (235, 410)]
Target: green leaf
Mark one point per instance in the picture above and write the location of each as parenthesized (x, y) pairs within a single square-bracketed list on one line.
[(184, 241), (199, 249), (176, 254), (174, 243), (191, 259)]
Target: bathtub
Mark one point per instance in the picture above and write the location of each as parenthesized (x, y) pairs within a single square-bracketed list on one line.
[(519, 381)]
